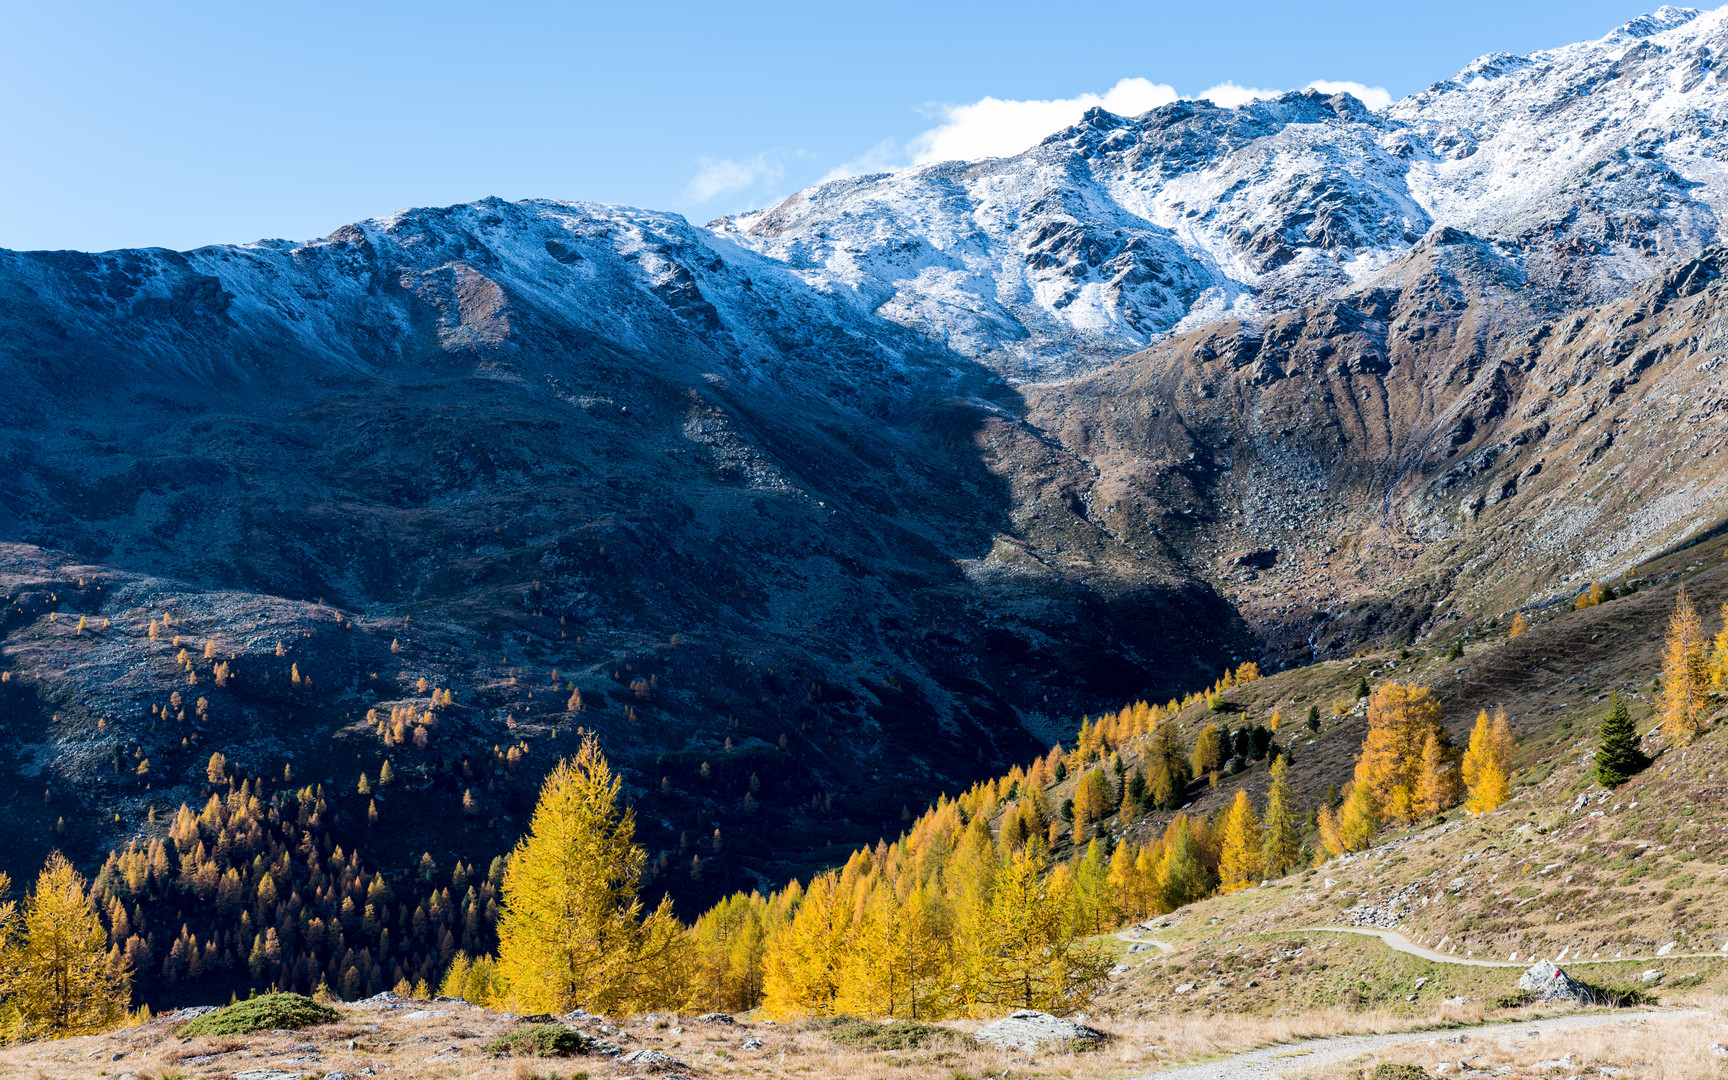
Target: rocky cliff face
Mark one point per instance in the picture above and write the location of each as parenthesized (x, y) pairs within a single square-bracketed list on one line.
[(793, 501)]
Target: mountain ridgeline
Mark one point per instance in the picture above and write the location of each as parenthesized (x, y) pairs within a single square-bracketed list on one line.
[(815, 513)]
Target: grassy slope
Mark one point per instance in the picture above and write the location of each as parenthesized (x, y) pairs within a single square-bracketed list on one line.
[(1621, 873)]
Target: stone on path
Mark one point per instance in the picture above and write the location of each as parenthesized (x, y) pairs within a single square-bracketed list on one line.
[(1549, 983), (1029, 1030)]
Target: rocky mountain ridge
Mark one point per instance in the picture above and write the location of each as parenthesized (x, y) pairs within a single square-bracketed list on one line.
[(1590, 167)]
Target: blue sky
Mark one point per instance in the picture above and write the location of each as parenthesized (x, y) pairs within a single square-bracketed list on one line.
[(180, 124)]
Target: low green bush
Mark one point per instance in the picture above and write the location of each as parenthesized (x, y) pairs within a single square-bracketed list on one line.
[(541, 1040), (267, 1012), (893, 1035)]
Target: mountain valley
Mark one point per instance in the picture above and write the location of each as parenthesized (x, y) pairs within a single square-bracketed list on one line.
[(817, 514)]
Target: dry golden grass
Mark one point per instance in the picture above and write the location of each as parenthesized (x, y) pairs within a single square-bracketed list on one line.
[(1674, 1047), (403, 1044)]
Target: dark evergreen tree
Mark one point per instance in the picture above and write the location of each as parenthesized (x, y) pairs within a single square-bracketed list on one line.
[(1137, 788), (1362, 687), (1619, 756)]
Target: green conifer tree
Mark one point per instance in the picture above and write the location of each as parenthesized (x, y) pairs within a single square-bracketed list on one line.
[(1618, 754)]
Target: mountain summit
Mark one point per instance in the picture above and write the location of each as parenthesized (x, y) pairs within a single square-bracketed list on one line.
[(1589, 167)]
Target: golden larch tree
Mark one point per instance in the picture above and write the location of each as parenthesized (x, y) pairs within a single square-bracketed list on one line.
[(1685, 673), (1719, 655), (1028, 957), (1400, 720), (801, 970), (1487, 762), (1282, 847), (1358, 821), (571, 932), (1208, 750), (60, 978), (1520, 626), (1438, 787), (1239, 853)]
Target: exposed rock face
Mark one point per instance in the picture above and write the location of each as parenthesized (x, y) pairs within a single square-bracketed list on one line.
[(1030, 1030), (1549, 983)]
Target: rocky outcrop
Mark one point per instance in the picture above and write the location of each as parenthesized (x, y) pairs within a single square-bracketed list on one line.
[(1549, 983), (1030, 1030)]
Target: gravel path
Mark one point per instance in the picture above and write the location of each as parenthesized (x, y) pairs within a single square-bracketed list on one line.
[(1403, 944), (1275, 1061), (1398, 941), (1162, 946)]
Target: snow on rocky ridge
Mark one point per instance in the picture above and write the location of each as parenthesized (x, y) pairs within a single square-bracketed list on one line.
[(1590, 166)]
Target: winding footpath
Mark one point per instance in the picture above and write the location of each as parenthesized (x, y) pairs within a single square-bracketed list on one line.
[(1399, 942), (1276, 1061)]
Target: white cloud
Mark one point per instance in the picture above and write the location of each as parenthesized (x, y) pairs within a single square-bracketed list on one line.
[(992, 127), (1227, 95), (885, 156), (723, 176), (1375, 97), (995, 127)]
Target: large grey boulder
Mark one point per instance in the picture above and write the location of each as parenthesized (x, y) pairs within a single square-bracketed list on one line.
[(1549, 983), (1030, 1029)]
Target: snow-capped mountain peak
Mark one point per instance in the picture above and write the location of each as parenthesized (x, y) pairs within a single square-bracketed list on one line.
[(1589, 165)]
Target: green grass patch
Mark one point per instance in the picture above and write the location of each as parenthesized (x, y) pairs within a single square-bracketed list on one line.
[(267, 1012), (894, 1035), (541, 1040), (1617, 995)]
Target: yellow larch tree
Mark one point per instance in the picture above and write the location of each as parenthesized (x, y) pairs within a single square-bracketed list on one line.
[(1520, 626), (1208, 750), (1124, 895), (60, 978), (1239, 854), (571, 931), (1281, 850), (1331, 836), (1719, 655), (801, 969), (1438, 787), (1358, 821), (1685, 673), (1401, 718), (1487, 762), (1028, 957)]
